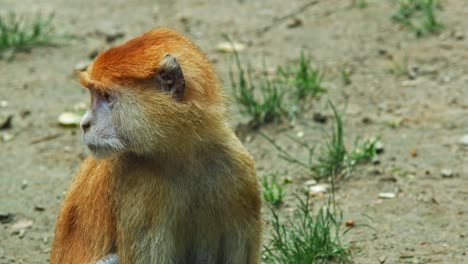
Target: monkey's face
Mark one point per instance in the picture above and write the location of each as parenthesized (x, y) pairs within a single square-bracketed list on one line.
[(100, 133), (148, 117)]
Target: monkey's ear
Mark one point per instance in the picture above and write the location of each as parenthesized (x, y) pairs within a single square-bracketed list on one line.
[(170, 78)]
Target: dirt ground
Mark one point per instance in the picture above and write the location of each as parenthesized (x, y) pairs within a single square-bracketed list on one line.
[(428, 220)]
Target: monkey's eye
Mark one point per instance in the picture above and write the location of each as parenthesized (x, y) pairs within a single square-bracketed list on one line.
[(103, 95), (106, 96)]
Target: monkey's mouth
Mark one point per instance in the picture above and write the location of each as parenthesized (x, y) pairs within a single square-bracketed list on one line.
[(104, 148), (92, 147)]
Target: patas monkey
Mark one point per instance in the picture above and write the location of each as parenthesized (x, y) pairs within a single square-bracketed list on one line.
[(168, 180)]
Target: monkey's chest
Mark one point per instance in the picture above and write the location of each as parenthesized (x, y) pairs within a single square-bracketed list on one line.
[(171, 231)]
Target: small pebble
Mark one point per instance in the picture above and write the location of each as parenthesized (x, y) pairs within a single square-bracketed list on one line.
[(379, 147), (24, 184), (396, 123), (287, 180), (6, 218), (68, 119), (319, 118), (388, 179), (317, 190), (464, 140), (387, 195), (295, 22), (7, 137), (25, 113), (5, 121), (310, 182), (22, 233), (93, 53), (377, 202), (410, 83), (39, 208), (445, 78), (459, 35), (111, 37), (350, 223), (230, 47), (22, 224), (447, 173), (67, 149), (375, 161), (366, 120), (413, 73)]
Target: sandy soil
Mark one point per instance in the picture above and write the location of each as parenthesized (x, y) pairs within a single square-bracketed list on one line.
[(426, 223)]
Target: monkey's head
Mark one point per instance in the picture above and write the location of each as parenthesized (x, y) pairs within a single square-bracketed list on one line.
[(154, 94)]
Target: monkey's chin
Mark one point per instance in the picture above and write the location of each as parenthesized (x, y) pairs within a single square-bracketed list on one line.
[(101, 152)]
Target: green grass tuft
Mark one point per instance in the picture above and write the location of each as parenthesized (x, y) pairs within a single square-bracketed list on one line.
[(272, 190), (261, 99), (268, 98), (18, 33), (346, 76), (418, 16), (308, 237), (305, 79), (360, 3), (363, 151), (333, 157)]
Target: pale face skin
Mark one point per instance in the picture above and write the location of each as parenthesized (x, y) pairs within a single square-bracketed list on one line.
[(99, 132)]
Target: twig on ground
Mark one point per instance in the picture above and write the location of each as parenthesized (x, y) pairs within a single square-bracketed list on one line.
[(280, 19), (45, 138)]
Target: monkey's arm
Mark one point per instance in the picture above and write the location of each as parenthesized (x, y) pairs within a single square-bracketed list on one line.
[(250, 224), (109, 259), (85, 229)]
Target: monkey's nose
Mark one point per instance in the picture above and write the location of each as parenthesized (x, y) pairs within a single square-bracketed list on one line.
[(85, 125)]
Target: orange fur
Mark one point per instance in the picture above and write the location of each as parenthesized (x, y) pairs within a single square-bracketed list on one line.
[(191, 196), (135, 62), (86, 228)]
